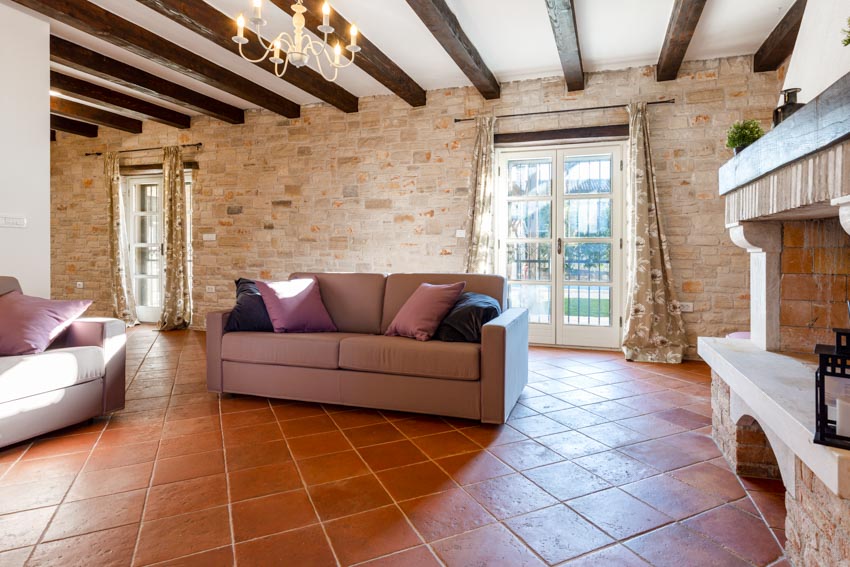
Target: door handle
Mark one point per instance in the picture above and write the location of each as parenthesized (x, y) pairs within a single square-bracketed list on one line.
[(560, 246)]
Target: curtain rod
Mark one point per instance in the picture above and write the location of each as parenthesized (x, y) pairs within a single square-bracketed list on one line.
[(198, 145), (668, 101)]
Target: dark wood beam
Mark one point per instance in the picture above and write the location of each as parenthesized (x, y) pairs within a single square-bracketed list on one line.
[(86, 60), (96, 21), (89, 92), (780, 43), (76, 110), (62, 124), (52, 135), (443, 24), (371, 59), (562, 16), (206, 21), (585, 132), (680, 30)]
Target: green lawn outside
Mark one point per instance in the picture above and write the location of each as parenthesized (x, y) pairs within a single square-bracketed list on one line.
[(587, 307)]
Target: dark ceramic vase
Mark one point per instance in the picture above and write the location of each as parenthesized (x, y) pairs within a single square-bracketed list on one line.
[(789, 106)]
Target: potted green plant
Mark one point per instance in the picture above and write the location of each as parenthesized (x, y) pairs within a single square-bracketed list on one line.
[(742, 134)]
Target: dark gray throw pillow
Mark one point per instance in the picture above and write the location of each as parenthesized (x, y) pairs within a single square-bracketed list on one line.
[(463, 323), (250, 313)]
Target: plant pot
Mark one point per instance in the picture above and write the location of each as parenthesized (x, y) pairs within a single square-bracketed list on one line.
[(739, 149)]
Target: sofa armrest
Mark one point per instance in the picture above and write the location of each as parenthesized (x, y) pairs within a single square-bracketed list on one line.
[(215, 331), (504, 364), (111, 336)]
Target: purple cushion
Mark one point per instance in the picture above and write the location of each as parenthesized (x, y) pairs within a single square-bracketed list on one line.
[(295, 306), (422, 313), (29, 324)]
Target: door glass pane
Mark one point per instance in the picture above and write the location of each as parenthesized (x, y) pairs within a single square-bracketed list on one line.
[(147, 229), (529, 261), (147, 292), (587, 262), (536, 298), (530, 177), (589, 174), (587, 305), (530, 219), (147, 200), (147, 261), (587, 218)]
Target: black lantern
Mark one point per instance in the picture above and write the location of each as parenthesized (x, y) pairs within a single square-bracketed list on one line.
[(833, 369)]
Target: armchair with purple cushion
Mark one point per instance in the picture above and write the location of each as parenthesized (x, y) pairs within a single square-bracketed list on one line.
[(78, 377)]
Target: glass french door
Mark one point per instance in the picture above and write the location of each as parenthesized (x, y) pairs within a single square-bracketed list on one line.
[(146, 245), (559, 219)]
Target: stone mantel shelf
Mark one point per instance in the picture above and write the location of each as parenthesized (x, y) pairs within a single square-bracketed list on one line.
[(779, 390), (823, 122)]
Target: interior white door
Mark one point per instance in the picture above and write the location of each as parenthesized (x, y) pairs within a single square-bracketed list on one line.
[(559, 240)]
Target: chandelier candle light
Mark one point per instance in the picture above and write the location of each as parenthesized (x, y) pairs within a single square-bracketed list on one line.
[(296, 49)]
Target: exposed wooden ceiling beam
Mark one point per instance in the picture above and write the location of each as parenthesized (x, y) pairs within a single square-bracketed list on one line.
[(780, 43), (204, 20), (76, 127), (443, 24), (94, 20), (89, 92), (680, 30), (76, 110), (52, 135), (86, 60), (562, 16), (371, 59)]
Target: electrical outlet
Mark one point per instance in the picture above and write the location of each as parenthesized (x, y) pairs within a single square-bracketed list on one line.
[(460, 233), (80, 285), (210, 289), (209, 236), (686, 307)]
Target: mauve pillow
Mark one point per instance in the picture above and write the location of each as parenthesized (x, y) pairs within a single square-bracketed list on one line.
[(29, 324), (464, 322), (295, 306), (249, 313), (421, 314)]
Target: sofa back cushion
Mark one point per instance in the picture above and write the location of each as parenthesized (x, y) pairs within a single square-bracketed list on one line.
[(401, 286), (354, 301), (7, 284)]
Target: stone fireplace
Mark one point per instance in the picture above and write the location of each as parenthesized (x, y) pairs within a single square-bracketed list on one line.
[(787, 201)]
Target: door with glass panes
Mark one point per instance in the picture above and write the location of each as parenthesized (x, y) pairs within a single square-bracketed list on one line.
[(559, 242)]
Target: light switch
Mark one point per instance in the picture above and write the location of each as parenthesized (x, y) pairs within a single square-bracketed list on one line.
[(460, 233), (210, 289), (209, 236), (11, 221)]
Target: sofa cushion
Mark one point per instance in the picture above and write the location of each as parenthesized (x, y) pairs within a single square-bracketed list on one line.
[(249, 313), (354, 301), (29, 324), (400, 355), (311, 350), (31, 374), (401, 286), (420, 316), (295, 306)]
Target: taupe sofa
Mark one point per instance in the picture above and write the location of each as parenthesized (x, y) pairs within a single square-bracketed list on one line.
[(80, 376), (359, 366)]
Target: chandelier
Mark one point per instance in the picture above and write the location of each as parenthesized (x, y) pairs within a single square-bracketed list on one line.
[(298, 48)]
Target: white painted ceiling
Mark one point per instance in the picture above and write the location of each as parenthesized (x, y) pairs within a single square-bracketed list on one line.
[(514, 38)]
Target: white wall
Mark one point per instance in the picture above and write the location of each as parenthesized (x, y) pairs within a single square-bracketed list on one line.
[(25, 148), (819, 58)]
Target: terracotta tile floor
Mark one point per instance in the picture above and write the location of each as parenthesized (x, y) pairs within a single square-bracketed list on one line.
[(603, 463)]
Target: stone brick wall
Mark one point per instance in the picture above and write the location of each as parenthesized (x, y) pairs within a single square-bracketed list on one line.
[(386, 188), (814, 284), (743, 443), (817, 523)]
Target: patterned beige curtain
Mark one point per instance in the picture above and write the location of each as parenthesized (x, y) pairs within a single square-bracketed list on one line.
[(480, 257), (177, 300), (123, 301), (654, 331)]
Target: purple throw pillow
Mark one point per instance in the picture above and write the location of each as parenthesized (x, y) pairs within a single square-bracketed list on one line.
[(295, 306), (424, 310), (29, 324)]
